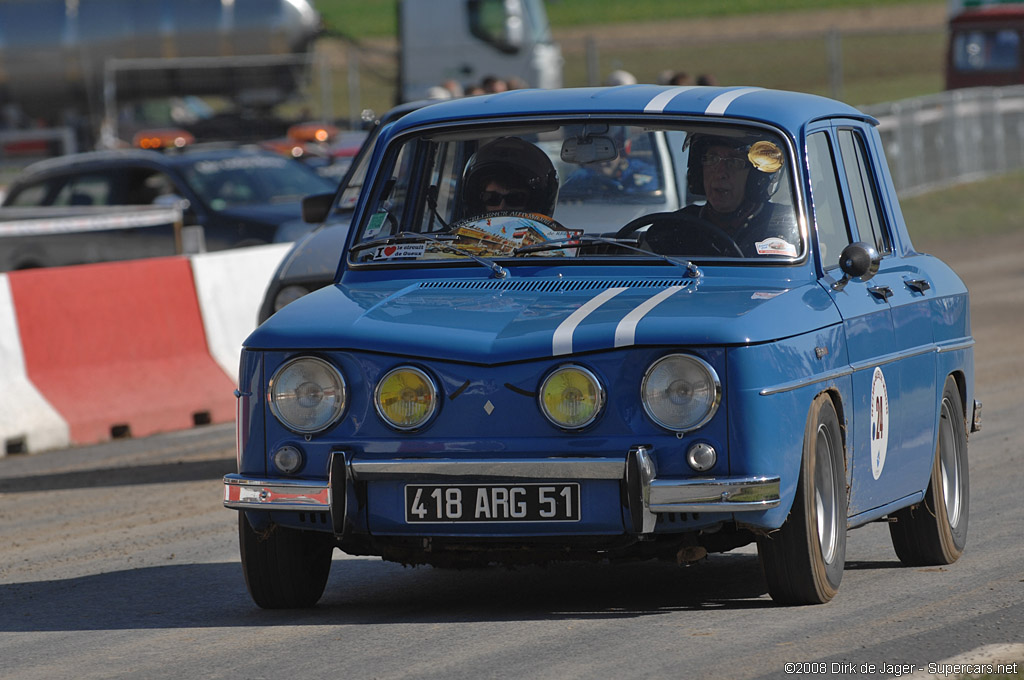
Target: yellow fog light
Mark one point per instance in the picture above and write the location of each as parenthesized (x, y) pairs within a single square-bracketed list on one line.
[(571, 397), (406, 398)]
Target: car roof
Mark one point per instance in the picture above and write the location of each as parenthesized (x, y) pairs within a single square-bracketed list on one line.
[(789, 110), (113, 157)]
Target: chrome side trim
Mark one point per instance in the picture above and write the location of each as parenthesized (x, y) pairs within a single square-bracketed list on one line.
[(413, 469), (804, 382), (946, 346), (248, 493), (714, 494), (954, 345)]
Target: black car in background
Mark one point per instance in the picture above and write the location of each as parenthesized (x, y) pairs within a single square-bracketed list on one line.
[(240, 196), (313, 260)]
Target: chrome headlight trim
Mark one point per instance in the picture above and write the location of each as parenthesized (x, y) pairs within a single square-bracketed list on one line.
[(334, 387), (711, 386), (423, 419), (600, 396)]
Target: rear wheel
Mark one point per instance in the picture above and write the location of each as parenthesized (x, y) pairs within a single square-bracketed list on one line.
[(284, 568), (935, 530), (803, 561)]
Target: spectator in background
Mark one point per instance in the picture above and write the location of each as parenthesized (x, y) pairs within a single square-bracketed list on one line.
[(473, 90), (516, 83), (706, 79), (454, 87), (680, 78), (438, 92), (620, 77), (492, 84)]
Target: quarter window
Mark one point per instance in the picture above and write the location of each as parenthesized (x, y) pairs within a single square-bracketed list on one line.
[(829, 216), (863, 192)]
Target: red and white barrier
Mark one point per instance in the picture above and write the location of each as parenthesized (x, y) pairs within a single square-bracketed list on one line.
[(94, 352)]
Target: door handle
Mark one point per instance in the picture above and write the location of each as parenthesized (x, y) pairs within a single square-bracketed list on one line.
[(880, 292), (917, 285)]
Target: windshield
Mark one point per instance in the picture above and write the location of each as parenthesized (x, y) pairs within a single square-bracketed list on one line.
[(584, 190), (248, 179)]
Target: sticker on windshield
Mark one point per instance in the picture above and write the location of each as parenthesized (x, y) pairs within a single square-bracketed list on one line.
[(397, 251), (500, 233), (375, 225), (775, 246)]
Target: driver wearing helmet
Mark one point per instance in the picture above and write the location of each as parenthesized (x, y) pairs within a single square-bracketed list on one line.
[(737, 176), (509, 174)]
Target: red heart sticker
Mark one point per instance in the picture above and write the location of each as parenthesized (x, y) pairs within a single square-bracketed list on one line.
[(390, 250)]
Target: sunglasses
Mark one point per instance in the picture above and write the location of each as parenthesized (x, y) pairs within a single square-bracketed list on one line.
[(515, 198), (732, 163)]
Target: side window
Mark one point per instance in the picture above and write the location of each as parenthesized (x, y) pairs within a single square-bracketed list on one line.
[(31, 196), (91, 189), (492, 22), (829, 216), (863, 192)]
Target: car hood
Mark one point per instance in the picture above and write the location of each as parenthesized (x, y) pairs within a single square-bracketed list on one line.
[(265, 213), (495, 321)]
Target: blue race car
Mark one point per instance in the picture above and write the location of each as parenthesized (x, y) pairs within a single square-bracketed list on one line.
[(726, 338)]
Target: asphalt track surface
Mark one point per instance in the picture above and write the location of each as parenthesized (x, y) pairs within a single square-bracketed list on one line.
[(119, 561)]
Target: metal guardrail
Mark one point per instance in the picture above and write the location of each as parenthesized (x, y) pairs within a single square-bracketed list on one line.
[(48, 237), (952, 137)]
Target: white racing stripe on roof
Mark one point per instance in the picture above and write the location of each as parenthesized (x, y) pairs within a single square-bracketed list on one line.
[(625, 332), (561, 343), (720, 103), (658, 104)]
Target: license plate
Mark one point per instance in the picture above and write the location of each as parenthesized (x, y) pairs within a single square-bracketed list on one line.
[(492, 503)]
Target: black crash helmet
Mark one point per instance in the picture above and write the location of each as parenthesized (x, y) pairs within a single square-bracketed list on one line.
[(766, 161), (515, 164)]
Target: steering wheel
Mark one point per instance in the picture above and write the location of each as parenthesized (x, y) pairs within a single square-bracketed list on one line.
[(686, 224)]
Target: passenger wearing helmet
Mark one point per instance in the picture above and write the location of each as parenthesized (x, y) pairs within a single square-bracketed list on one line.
[(509, 174), (737, 176)]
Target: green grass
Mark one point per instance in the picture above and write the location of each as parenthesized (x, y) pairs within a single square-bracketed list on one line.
[(377, 18), (976, 209)]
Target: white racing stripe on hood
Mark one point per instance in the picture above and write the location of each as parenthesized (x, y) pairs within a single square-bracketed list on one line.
[(625, 332), (658, 104), (720, 103), (561, 343)]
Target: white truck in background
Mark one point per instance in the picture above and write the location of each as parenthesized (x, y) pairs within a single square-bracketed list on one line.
[(468, 40)]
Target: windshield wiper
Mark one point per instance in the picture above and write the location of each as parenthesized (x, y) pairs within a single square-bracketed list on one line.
[(497, 271), (558, 244)]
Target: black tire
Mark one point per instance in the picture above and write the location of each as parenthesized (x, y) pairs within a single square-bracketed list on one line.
[(934, 531), (284, 568), (803, 561)]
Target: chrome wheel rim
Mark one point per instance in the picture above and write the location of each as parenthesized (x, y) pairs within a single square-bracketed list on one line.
[(826, 506), (949, 464)]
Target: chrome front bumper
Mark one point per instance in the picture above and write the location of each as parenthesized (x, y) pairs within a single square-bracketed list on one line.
[(647, 494)]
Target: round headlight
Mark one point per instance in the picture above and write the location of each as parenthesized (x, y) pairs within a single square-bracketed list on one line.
[(406, 398), (681, 392), (571, 397), (307, 394)]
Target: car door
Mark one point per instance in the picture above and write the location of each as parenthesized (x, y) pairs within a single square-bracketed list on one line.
[(887, 337)]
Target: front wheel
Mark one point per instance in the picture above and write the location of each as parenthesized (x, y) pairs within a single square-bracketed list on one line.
[(803, 561), (934, 532), (284, 568)]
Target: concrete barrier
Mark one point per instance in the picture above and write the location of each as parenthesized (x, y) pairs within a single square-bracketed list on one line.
[(230, 286), (95, 352), (27, 421)]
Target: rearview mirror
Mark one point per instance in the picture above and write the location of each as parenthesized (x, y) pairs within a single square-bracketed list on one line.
[(315, 208), (589, 149)]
